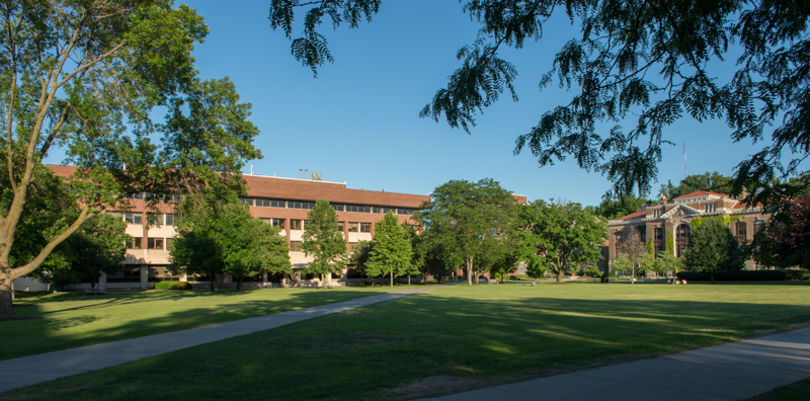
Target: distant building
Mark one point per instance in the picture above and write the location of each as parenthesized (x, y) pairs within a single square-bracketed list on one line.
[(672, 221)]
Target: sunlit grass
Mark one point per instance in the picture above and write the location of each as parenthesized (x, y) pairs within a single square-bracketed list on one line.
[(70, 320), (449, 340)]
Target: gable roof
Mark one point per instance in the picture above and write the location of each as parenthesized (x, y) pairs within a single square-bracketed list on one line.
[(633, 215)]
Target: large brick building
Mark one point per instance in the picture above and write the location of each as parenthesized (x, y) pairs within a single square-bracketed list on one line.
[(672, 221), (282, 202)]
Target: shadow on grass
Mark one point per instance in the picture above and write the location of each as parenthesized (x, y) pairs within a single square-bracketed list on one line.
[(390, 350), (119, 316)]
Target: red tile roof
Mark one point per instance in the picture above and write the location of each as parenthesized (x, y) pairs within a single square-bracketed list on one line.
[(639, 213), (702, 193)]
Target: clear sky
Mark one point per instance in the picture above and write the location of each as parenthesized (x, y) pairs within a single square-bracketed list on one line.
[(358, 121)]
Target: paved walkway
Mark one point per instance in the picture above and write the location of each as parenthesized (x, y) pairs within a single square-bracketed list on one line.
[(725, 372), (34, 369)]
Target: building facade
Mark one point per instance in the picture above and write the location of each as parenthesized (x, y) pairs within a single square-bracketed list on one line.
[(672, 221), (282, 202)]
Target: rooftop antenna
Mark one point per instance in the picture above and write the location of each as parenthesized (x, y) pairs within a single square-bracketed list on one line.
[(684, 160), (251, 169)]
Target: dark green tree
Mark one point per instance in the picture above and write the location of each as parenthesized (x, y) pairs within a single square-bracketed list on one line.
[(360, 257), (786, 241), (324, 239), (713, 248), (613, 207), (712, 182), (555, 237), (226, 239), (466, 219), (88, 77), (639, 64)]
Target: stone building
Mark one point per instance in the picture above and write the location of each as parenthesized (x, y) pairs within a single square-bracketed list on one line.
[(672, 221)]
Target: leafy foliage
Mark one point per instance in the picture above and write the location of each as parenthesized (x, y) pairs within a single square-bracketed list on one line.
[(324, 239), (712, 182), (637, 63), (556, 236), (392, 253), (786, 242), (87, 77), (465, 220), (713, 248), (613, 207), (226, 239)]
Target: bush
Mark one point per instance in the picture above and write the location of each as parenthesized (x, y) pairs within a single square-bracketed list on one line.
[(172, 285), (748, 275)]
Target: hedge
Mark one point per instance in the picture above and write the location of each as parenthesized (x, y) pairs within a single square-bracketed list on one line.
[(747, 275), (172, 285)]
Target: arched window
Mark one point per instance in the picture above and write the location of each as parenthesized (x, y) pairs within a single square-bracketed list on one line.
[(683, 231)]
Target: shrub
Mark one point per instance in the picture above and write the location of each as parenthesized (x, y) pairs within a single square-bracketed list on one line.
[(172, 285), (747, 275)]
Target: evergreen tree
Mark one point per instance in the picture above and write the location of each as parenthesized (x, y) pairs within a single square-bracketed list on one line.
[(324, 240)]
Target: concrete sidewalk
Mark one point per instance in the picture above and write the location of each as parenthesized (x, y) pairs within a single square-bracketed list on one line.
[(725, 372), (34, 369)]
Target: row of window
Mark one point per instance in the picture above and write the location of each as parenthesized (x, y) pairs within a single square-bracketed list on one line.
[(262, 202), (151, 243), (153, 219), (299, 225)]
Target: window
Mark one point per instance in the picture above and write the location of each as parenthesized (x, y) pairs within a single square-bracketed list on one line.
[(659, 233), (154, 243), (742, 230), (246, 201), (405, 211), (759, 225), (300, 205), (358, 209), (710, 208), (296, 225), (134, 218), (683, 231), (295, 245), (169, 219), (136, 195), (277, 223), (261, 202), (365, 227), (278, 203), (169, 243), (338, 207), (354, 227), (340, 225), (383, 210), (134, 243), (154, 219)]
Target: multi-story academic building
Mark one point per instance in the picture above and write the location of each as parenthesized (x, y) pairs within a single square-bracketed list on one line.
[(671, 221), (282, 202)]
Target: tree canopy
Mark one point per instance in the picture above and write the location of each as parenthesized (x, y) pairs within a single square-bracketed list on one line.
[(324, 240), (226, 239), (713, 248), (467, 219), (392, 252), (786, 242), (555, 237), (637, 68), (712, 182), (87, 77)]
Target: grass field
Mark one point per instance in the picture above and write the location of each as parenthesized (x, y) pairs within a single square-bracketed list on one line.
[(448, 340), (72, 320)]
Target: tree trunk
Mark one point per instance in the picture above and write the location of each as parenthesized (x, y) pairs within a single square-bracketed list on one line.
[(469, 270), (6, 302), (712, 276), (409, 280), (214, 283), (239, 284), (476, 277), (327, 277), (560, 274), (392, 279)]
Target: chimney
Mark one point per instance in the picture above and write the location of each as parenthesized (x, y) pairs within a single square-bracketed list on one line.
[(306, 173), (251, 169), (300, 173)]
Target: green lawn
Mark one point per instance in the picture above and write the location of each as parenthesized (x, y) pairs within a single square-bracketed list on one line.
[(448, 340), (72, 320)]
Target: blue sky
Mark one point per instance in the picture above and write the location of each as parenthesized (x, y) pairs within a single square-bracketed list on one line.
[(358, 121)]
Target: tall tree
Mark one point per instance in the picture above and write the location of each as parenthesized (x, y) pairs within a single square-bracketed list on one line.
[(87, 77), (640, 63), (613, 206), (324, 239), (636, 251), (713, 248), (786, 241), (466, 217), (392, 253), (556, 236)]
